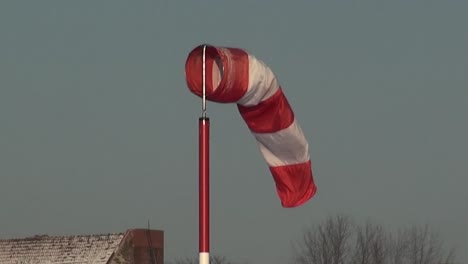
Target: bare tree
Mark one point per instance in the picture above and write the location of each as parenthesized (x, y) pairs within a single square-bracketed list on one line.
[(397, 248), (327, 243), (425, 247), (338, 241), (370, 246)]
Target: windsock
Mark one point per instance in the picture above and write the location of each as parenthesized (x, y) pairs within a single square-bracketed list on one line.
[(235, 76)]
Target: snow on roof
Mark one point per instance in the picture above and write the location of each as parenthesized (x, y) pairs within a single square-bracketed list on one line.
[(80, 249)]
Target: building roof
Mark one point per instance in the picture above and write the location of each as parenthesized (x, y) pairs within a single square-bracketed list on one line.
[(79, 249)]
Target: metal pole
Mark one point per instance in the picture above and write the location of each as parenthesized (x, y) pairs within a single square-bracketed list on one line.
[(204, 83), (204, 177)]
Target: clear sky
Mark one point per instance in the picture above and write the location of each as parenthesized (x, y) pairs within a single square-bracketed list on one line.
[(98, 131)]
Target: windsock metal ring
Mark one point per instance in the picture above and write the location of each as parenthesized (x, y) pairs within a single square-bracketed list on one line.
[(235, 76)]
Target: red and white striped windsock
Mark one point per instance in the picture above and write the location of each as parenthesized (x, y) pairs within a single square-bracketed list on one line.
[(235, 76)]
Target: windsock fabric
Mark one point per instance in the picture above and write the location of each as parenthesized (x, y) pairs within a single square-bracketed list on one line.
[(235, 76)]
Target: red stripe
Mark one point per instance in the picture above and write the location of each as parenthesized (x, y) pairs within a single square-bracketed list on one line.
[(268, 116), (235, 79), (294, 183)]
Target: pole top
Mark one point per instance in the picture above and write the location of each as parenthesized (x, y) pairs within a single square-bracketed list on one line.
[(204, 83)]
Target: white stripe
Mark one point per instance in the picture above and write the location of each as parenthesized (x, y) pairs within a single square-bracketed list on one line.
[(262, 83), (204, 258), (285, 147)]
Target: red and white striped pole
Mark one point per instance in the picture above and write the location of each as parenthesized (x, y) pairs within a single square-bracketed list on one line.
[(204, 177)]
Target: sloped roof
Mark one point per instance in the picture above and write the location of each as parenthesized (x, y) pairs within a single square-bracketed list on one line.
[(79, 249)]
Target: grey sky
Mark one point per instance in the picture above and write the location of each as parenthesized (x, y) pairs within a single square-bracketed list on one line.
[(98, 131)]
